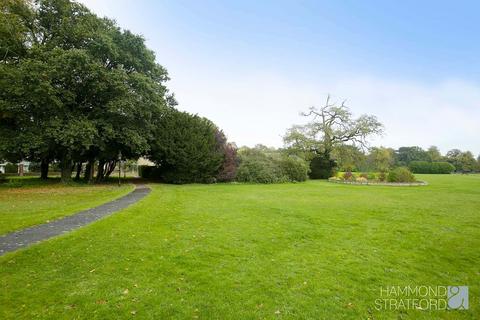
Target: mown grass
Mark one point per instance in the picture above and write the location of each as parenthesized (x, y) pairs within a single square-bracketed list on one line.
[(28, 201), (311, 250)]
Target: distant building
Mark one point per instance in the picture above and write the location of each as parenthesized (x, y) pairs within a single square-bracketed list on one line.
[(22, 167)]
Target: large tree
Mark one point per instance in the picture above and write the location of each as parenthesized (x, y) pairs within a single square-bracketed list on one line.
[(381, 159), (405, 155), (330, 126), (462, 161), (434, 154), (75, 88)]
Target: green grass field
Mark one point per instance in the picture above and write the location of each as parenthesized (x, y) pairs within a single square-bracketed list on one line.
[(32, 201), (311, 250)]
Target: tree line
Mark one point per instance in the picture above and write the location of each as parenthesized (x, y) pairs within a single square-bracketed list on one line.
[(80, 91), (383, 158), (334, 140)]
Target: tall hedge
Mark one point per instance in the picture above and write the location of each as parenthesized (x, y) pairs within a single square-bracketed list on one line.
[(185, 149), (431, 167)]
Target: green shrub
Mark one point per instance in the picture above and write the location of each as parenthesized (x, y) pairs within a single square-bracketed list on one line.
[(431, 167), (371, 176), (263, 165), (442, 167), (321, 167), (259, 170), (363, 175), (294, 168), (400, 174), (382, 176)]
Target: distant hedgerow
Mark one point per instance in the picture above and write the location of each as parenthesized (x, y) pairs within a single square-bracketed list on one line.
[(431, 167)]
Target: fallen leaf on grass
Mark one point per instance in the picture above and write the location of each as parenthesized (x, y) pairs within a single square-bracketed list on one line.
[(125, 291)]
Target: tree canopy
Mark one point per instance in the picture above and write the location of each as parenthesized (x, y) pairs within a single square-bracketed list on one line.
[(187, 148), (75, 87)]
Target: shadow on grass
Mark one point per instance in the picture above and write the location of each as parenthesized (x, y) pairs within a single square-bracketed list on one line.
[(35, 181)]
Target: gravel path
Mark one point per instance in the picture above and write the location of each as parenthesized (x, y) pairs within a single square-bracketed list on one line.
[(23, 238)]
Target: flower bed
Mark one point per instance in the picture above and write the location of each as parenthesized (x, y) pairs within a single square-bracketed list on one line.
[(379, 183), (400, 176)]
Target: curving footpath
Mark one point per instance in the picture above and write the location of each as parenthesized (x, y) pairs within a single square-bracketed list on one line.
[(25, 237)]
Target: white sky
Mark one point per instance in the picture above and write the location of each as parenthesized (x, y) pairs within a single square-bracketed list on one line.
[(255, 104)]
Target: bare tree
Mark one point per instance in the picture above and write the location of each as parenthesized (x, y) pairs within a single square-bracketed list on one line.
[(331, 125)]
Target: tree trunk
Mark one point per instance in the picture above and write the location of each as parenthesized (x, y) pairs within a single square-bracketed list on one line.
[(79, 171), (100, 171), (110, 168), (44, 169), (66, 170), (89, 171)]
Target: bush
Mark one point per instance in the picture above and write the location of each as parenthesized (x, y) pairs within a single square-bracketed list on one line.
[(382, 176), (361, 180), (400, 174), (364, 175), (259, 165), (259, 169), (2, 178), (294, 168), (322, 167), (228, 170), (372, 176), (348, 176), (431, 167)]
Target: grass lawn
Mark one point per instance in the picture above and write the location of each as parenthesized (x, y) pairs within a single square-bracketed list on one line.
[(311, 250), (32, 201)]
